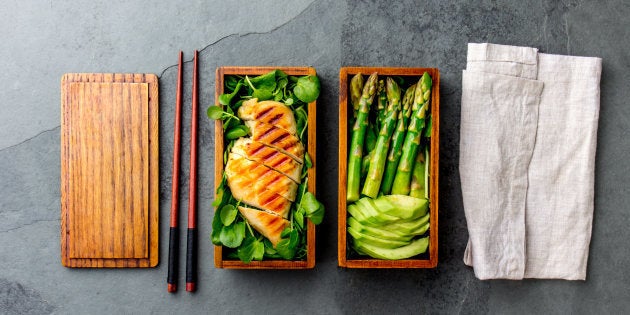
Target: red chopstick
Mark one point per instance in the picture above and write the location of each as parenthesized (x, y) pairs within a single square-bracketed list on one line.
[(191, 253), (173, 245)]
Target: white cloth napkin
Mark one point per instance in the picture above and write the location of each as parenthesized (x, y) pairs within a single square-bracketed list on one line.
[(527, 159)]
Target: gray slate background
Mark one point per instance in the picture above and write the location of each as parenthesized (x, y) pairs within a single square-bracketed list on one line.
[(41, 40)]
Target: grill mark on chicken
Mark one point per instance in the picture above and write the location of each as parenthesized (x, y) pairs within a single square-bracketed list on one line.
[(263, 113), (274, 119)]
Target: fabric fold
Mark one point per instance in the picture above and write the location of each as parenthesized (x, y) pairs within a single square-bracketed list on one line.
[(527, 151)]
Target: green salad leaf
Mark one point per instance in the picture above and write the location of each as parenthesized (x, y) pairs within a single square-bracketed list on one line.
[(225, 99), (307, 88), (237, 132), (251, 249), (312, 208), (228, 214), (232, 236)]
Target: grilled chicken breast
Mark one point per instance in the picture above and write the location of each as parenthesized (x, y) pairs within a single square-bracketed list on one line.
[(245, 174), (277, 138), (242, 176), (267, 224), (264, 171), (270, 112), (270, 157)]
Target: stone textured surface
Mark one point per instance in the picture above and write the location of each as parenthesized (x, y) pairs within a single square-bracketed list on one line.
[(43, 40)]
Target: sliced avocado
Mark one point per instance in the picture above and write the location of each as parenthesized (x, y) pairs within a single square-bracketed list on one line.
[(421, 230), (414, 248), (378, 232), (408, 226), (376, 241), (357, 214), (406, 207), (373, 214)]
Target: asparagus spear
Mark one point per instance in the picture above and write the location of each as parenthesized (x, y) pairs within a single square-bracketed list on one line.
[(356, 87), (358, 137), (422, 95), (379, 157), (382, 104), (397, 141), (418, 184)]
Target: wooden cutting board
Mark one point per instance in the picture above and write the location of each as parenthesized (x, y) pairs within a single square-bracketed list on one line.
[(109, 170)]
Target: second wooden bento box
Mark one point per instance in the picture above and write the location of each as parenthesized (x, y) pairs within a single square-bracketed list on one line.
[(347, 256), (220, 258)]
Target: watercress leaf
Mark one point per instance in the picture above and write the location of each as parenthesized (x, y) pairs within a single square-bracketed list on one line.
[(301, 118), (294, 239), (269, 250), (313, 209), (289, 101), (307, 88), (232, 236), (266, 81), (217, 226), (218, 196), (215, 112), (307, 160), (284, 250), (231, 82), (281, 74), (246, 250), (309, 203), (228, 237), (228, 214), (237, 132), (262, 94), (259, 250), (298, 217), (277, 97), (239, 229), (318, 216), (281, 84), (285, 232), (225, 99)]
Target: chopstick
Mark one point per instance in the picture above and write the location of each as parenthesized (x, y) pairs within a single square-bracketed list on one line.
[(173, 244), (191, 253)]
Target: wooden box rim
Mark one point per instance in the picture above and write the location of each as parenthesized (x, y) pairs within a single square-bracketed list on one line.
[(343, 261), (309, 263)]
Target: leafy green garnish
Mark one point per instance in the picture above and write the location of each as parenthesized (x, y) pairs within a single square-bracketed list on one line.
[(225, 99), (262, 86), (307, 160), (312, 208), (286, 248), (307, 88), (232, 236), (228, 214), (251, 249), (216, 113), (237, 132)]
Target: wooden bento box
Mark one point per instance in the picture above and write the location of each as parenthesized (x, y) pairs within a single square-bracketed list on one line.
[(219, 260), (346, 255)]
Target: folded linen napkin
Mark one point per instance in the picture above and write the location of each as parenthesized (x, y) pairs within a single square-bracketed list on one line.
[(527, 158)]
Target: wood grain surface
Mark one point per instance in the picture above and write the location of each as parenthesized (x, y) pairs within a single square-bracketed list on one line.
[(345, 74), (219, 261), (109, 170)]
